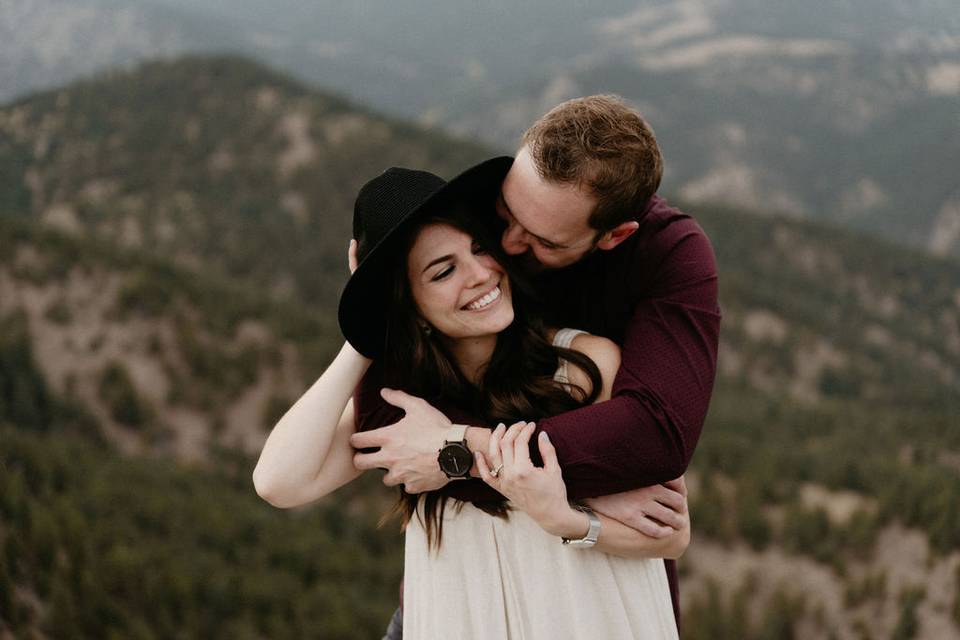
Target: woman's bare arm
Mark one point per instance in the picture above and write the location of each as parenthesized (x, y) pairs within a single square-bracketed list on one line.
[(308, 454)]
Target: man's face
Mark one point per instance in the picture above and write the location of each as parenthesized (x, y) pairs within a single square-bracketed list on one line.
[(545, 220)]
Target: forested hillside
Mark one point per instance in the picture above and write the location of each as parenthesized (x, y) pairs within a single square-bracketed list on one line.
[(161, 304), (212, 162)]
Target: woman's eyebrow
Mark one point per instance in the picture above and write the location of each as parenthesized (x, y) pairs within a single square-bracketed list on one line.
[(449, 256)]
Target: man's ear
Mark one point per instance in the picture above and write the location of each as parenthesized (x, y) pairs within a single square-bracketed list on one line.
[(618, 234)]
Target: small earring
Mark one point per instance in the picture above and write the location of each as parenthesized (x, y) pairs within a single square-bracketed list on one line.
[(426, 329)]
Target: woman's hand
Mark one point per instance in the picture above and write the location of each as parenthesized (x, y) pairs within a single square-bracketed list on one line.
[(538, 491)]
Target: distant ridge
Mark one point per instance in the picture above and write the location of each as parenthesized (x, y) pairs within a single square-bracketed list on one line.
[(209, 160)]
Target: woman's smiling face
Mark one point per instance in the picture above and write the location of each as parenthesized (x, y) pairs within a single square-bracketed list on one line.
[(459, 289)]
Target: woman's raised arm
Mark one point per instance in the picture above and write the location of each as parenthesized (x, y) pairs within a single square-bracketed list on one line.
[(308, 454)]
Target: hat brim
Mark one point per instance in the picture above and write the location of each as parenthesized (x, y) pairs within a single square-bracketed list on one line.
[(361, 314)]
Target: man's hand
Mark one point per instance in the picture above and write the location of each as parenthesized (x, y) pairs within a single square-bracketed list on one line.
[(408, 448), (656, 511)]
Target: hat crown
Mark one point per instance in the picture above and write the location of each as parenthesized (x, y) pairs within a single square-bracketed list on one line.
[(387, 200)]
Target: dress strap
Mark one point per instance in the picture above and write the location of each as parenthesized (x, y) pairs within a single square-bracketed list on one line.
[(563, 339)]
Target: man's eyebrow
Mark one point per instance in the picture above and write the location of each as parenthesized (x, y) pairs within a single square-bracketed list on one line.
[(449, 256), (551, 244)]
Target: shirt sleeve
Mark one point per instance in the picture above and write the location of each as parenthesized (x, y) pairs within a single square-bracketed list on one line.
[(373, 412), (646, 433)]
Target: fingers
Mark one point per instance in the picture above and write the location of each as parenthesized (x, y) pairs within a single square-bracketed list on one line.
[(521, 445), (633, 518), (547, 452), (507, 444), (352, 256), (364, 461), (400, 399), (373, 438), (677, 484), (671, 499), (652, 528), (493, 446), (666, 516), (485, 473)]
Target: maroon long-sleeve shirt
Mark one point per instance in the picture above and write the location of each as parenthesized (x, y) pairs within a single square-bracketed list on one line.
[(655, 294)]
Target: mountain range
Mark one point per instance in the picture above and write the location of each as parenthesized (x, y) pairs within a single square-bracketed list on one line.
[(840, 111), (172, 243)]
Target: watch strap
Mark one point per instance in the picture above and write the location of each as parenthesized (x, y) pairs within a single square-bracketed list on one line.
[(456, 433), (593, 533)]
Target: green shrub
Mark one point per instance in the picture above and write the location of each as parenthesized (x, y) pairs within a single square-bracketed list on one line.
[(24, 397), (781, 616), (7, 602), (907, 623), (144, 293), (872, 586), (713, 617), (118, 393), (751, 522), (807, 531), (59, 312), (956, 599)]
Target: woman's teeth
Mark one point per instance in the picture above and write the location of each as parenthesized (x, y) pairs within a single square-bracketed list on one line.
[(485, 300)]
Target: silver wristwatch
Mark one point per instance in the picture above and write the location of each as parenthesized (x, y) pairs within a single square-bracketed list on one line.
[(593, 532)]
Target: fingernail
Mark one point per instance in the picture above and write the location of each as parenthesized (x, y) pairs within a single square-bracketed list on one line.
[(544, 436)]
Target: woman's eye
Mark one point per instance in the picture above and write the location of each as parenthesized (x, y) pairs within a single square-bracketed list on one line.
[(443, 274)]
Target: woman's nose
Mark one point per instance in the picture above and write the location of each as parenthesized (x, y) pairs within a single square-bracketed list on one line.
[(479, 270)]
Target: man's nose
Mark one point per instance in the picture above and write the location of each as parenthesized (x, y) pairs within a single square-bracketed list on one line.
[(514, 240)]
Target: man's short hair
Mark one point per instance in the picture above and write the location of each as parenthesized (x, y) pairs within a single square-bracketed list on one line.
[(602, 143)]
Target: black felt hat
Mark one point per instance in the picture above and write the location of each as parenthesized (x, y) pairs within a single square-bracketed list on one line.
[(388, 204)]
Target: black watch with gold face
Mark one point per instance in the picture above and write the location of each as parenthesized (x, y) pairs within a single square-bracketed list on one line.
[(455, 458)]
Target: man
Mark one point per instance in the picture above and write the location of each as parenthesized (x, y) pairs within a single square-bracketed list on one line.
[(579, 208)]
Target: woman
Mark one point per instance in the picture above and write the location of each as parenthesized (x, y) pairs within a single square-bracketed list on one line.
[(433, 302)]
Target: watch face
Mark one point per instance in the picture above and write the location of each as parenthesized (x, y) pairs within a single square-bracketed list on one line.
[(455, 459)]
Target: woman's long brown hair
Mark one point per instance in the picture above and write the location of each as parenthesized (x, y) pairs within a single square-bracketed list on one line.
[(518, 382)]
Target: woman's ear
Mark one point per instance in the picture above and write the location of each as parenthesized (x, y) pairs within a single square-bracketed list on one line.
[(424, 327)]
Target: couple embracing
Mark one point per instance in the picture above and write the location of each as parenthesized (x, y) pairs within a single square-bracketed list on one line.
[(531, 349)]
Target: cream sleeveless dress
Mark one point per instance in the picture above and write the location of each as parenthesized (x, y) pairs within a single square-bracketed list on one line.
[(496, 579)]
